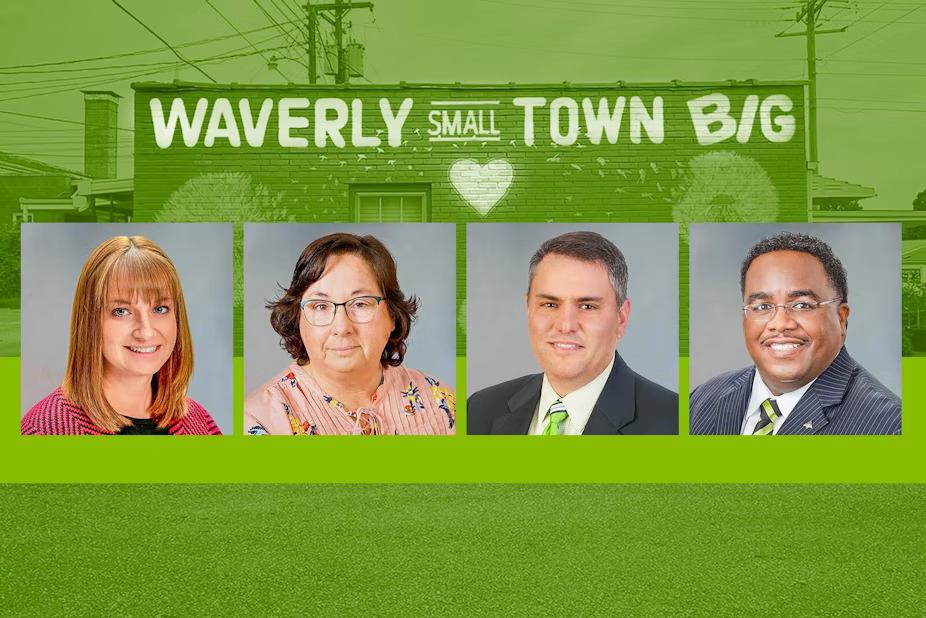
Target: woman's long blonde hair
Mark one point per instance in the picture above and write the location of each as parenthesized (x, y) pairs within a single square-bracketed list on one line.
[(132, 266)]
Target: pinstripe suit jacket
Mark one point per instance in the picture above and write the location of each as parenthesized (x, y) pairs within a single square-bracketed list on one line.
[(844, 400)]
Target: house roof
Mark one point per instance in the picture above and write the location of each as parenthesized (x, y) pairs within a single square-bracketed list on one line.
[(666, 85), (15, 165), (913, 252), (822, 187)]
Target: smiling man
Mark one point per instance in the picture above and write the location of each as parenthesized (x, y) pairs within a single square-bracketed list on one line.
[(795, 318), (577, 312)]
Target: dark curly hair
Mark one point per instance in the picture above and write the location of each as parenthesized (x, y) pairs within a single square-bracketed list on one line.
[(285, 312), (803, 243)]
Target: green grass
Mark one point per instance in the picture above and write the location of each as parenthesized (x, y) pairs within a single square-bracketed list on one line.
[(9, 332), (462, 550)]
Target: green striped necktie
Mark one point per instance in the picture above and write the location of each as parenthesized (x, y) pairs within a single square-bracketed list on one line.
[(558, 415), (768, 413)]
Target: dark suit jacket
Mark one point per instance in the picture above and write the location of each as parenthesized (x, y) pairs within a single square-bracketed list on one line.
[(628, 404), (845, 400)]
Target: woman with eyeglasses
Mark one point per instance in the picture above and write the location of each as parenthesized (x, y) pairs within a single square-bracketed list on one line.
[(344, 320), (131, 353)]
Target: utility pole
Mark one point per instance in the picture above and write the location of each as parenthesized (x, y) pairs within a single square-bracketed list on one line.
[(339, 8), (809, 15), (339, 41), (311, 26)]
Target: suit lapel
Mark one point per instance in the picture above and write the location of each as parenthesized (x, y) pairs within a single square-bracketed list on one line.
[(809, 415), (806, 418), (731, 404), (521, 408), (616, 406)]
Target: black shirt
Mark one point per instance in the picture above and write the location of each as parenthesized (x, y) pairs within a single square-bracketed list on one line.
[(142, 427)]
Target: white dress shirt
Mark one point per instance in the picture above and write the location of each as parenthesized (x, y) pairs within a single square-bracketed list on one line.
[(760, 392), (579, 405)]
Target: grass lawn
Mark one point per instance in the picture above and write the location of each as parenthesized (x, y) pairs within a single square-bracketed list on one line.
[(462, 550), (9, 332)]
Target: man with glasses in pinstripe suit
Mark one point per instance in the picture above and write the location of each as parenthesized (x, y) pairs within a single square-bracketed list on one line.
[(795, 319)]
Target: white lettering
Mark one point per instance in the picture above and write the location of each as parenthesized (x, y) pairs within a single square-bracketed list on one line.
[(357, 138), (641, 118), (528, 103), (164, 131), (434, 118), (604, 120), (222, 113), (330, 127), (395, 122), (287, 123), (254, 132), (572, 130), (703, 120), (784, 122), (747, 119)]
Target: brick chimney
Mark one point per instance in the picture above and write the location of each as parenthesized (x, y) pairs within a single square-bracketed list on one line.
[(101, 119)]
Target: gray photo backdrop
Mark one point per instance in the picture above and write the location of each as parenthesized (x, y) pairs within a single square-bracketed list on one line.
[(425, 258), (497, 342), (871, 256), (53, 255)]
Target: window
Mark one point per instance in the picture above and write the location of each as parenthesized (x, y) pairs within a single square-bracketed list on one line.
[(391, 203)]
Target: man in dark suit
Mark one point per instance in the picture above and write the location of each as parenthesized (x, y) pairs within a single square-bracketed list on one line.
[(795, 319), (577, 312)]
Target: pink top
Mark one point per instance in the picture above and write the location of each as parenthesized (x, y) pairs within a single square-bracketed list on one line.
[(406, 402), (57, 415)]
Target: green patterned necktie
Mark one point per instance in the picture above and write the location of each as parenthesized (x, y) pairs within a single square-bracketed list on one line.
[(768, 413), (558, 416)]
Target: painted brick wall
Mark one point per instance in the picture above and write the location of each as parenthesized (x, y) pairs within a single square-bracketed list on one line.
[(678, 179)]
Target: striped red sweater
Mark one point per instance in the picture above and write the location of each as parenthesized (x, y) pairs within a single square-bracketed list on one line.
[(57, 416)]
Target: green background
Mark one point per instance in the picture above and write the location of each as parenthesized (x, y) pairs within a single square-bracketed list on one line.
[(869, 130), (117, 547), (507, 550), (474, 459)]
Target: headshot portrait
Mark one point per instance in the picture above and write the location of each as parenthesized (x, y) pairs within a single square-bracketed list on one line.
[(349, 329), (772, 351), (113, 318), (572, 329)]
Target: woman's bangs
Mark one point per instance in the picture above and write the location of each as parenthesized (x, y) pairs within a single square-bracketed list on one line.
[(144, 275)]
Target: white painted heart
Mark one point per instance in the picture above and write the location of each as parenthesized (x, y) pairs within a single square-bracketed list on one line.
[(481, 185)]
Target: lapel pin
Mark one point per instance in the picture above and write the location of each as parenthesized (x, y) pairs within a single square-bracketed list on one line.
[(808, 425)]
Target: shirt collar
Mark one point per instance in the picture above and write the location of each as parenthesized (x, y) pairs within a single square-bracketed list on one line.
[(579, 403), (786, 401)]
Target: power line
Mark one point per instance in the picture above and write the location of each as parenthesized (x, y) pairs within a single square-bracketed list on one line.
[(13, 68), (235, 28), (571, 9), (876, 30), (39, 117), (274, 21), (121, 77), (161, 39), (288, 10), (573, 52), (80, 80)]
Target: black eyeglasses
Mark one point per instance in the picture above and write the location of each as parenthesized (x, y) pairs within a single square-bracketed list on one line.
[(320, 312)]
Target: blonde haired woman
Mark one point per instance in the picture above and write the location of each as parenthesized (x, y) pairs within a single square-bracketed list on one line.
[(131, 355)]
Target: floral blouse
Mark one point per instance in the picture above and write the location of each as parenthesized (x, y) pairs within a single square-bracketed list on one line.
[(407, 402)]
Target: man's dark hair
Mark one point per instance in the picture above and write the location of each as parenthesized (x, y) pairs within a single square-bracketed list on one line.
[(587, 247), (804, 243)]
